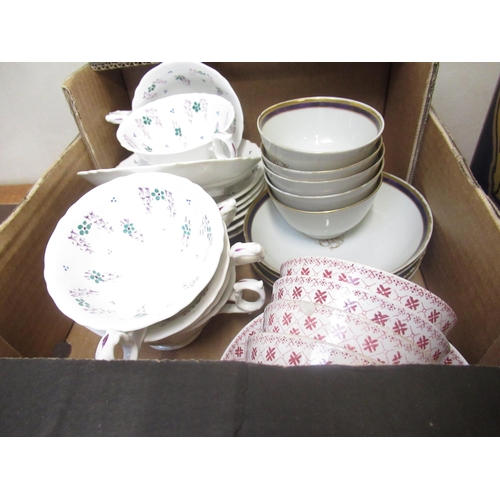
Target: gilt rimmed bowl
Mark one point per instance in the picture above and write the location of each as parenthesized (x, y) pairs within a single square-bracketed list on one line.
[(320, 133)]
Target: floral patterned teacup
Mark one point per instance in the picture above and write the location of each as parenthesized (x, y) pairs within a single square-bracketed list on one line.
[(179, 128), (134, 251)]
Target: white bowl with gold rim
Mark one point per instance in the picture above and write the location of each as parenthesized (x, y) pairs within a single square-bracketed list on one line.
[(323, 225), (321, 203), (322, 175), (324, 188), (320, 133)]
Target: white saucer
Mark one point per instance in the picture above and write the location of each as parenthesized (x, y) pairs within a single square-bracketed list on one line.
[(236, 350), (392, 237), (216, 176)]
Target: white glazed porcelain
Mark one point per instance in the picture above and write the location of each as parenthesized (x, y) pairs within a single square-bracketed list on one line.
[(325, 225), (236, 255), (216, 176), (392, 237), (183, 127), (171, 78), (229, 301), (389, 314), (349, 331), (322, 175), (395, 288), (306, 188), (320, 133), (157, 233), (185, 326), (322, 203), (289, 350)]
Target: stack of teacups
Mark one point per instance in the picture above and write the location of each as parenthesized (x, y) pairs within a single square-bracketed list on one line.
[(326, 310), (323, 159), (186, 120), (146, 258)]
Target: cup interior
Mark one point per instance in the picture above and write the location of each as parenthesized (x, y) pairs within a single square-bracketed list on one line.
[(321, 125)]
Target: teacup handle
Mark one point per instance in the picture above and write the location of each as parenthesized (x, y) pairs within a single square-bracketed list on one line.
[(246, 253), (228, 209), (117, 116), (130, 343), (241, 305), (224, 146)]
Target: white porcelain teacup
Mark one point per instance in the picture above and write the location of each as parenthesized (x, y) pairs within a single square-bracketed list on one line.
[(183, 127), (222, 295)]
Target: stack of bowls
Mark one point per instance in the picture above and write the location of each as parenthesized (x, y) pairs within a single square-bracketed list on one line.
[(146, 258), (185, 120), (323, 161), (330, 311)]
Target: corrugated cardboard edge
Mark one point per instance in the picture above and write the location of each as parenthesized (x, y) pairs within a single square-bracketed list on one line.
[(105, 66), (76, 115), (424, 116), (83, 91)]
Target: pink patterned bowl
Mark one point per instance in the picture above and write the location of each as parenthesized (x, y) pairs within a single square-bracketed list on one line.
[(237, 349), (373, 307), (388, 285), (349, 331), (289, 350)]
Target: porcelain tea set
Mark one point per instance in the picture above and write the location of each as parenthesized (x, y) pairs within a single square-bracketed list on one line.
[(145, 256)]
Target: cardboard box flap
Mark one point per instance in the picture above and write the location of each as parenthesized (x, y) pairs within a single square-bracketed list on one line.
[(91, 96), (461, 264), (31, 323), (408, 104)]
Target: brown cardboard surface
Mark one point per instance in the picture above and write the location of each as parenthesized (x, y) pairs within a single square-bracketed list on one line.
[(91, 96), (407, 108), (461, 264), (30, 322)]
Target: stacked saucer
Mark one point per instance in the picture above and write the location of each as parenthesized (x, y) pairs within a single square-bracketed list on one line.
[(244, 193), (393, 237)]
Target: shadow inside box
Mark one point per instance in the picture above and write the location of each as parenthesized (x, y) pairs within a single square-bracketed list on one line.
[(5, 211)]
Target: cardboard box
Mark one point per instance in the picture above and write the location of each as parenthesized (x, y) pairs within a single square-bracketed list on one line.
[(460, 265)]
